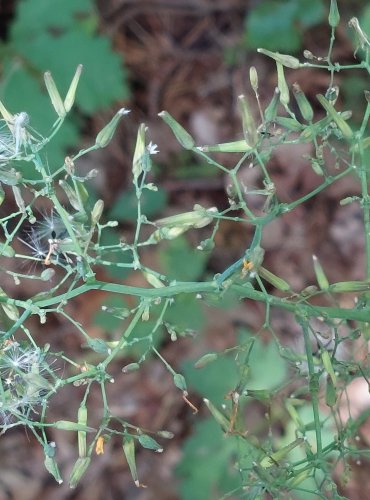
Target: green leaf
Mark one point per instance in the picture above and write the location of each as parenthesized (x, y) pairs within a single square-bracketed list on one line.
[(267, 368), (277, 25), (182, 262), (214, 380), (206, 468), (125, 207)]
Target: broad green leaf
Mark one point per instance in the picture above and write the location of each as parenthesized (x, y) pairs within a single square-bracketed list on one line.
[(182, 262)]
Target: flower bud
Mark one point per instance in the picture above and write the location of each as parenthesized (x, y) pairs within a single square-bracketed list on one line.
[(334, 16), (106, 134), (304, 106), (282, 85), (335, 116), (253, 78), (54, 95), (285, 60), (271, 110), (97, 212), (320, 275), (183, 137), (70, 97), (81, 435), (131, 367), (249, 127), (139, 155), (206, 360), (227, 147)]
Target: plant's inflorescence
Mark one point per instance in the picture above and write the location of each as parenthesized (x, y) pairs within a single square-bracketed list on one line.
[(70, 241)]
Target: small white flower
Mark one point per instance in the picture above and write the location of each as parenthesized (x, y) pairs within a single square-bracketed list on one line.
[(152, 148)]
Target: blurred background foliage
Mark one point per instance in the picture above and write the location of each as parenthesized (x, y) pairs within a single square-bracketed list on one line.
[(190, 58)]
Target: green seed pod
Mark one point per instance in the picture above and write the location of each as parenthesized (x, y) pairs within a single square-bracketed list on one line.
[(106, 134), (253, 78), (165, 434), (78, 471), (97, 212), (52, 467), (149, 443), (326, 361), (274, 280), (70, 97), (19, 199), (71, 195), (334, 115), (197, 218), (278, 456), (81, 435), (282, 85), (271, 110), (128, 446), (139, 155), (304, 105), (131, 367), (10, 310), (316, 167), (54, 95), (289, 123), (183, 137), (321, 278), (284, 59), (334, 16), (218, 416), (180, 382), (350, 286), (153, 280), (67, 425), (227, 147), (297, 479), (330, 392), (206, 360), (6, 250), (249, 126)]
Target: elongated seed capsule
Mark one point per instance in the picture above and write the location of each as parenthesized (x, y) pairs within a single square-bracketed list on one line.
[(350, 286), (71, 195), (206, 360), (78, 471), (342, 125), (271, 110), (282, 85), (218, 415), (81, 435), (304, 105), (274, 280), (128, 446), (326, 361), (52, 467), (284, 59), (253, 78), (330, 392), (97, 212), (298, 478), (71, 94), (54, 95), (289, 123), (227, 147), (334, 16), (249, 127), (277, 456), (184, 138), (106, 134), (68, 425), (139, 154), (320, 275)]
